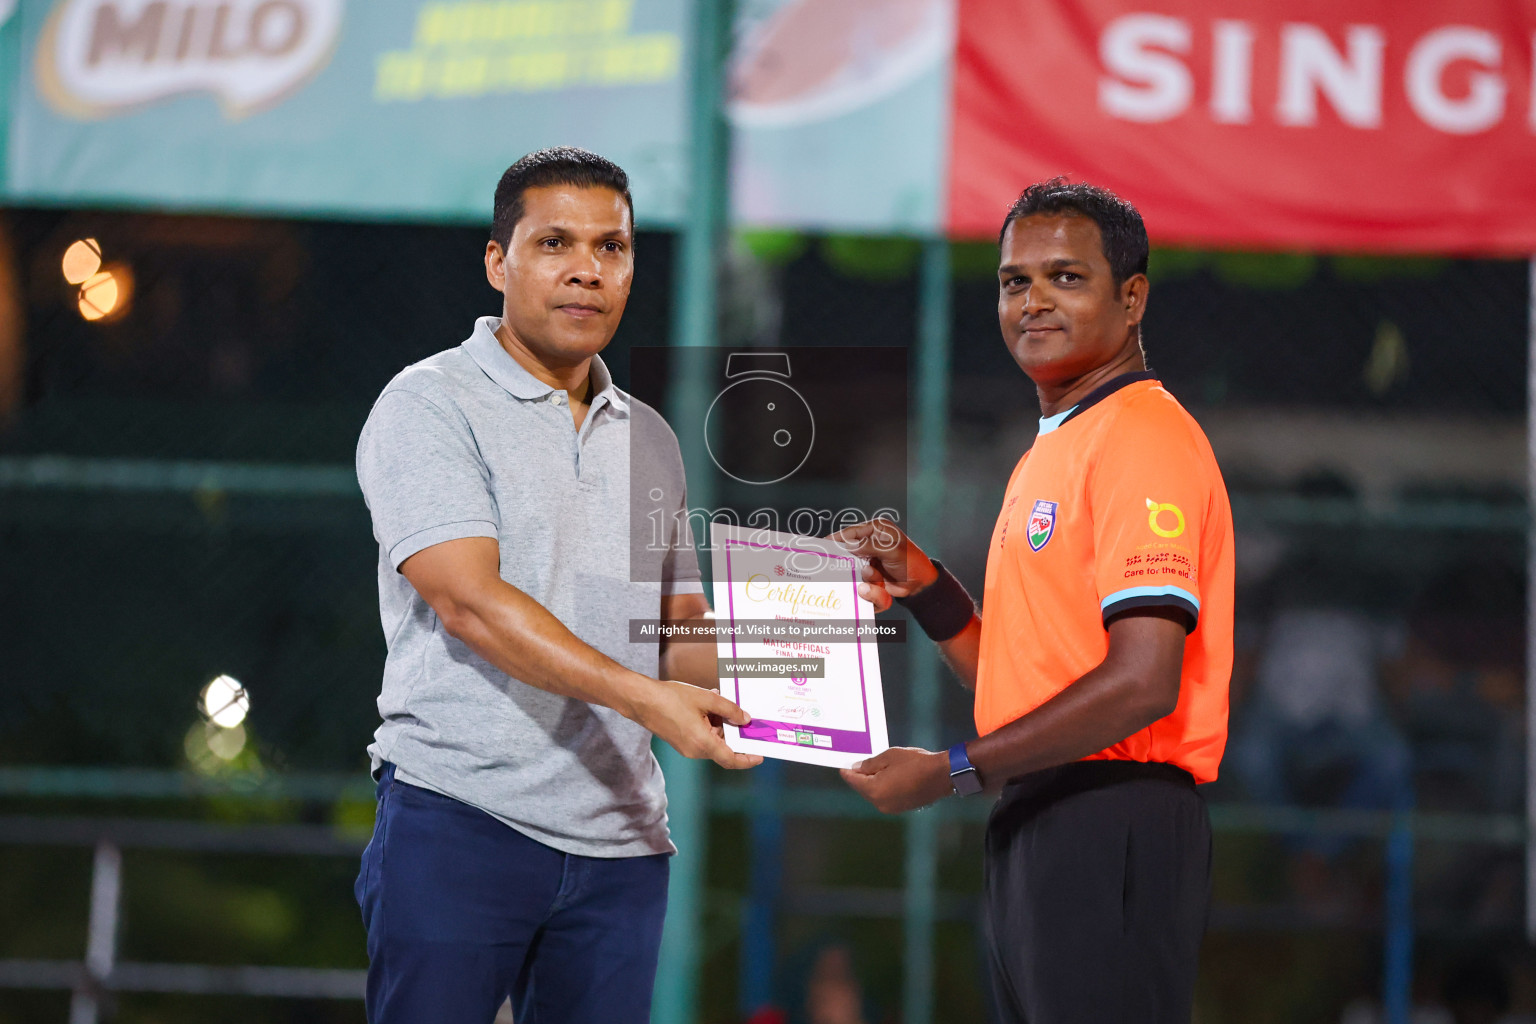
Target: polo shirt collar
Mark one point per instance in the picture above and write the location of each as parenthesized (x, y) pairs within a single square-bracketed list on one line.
[(603, 390), (484, 348)]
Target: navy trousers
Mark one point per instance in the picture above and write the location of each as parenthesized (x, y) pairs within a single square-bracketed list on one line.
[(463, 911)]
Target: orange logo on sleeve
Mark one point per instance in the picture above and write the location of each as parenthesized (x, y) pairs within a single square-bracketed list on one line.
[(1157, 519)]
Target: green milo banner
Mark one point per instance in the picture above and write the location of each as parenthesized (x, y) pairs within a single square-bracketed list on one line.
[(374, 107), (412, 108)]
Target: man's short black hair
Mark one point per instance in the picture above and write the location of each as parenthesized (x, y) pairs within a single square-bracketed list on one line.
[(1124, 236), (557, 165)]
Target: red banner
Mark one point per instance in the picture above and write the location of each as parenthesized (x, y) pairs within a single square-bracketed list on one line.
[(1373, 125)]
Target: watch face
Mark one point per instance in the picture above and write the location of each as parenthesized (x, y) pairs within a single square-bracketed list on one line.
[(966, 783), (759, 430)]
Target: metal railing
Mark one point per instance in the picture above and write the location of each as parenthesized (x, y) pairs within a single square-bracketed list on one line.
[(100, 972)]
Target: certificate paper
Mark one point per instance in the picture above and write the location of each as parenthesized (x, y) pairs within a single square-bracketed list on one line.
[(797, 648)]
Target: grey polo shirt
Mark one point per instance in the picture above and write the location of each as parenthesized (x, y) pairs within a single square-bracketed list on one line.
[(467, 443)]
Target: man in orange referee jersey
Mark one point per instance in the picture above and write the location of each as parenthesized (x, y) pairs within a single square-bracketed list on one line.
[(1101, 664)]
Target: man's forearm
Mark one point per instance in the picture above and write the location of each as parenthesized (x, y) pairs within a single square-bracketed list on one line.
[(521, 637), (693, 661), (962, 652)]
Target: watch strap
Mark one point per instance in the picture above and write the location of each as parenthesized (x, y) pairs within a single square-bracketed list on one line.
[(962, 774)]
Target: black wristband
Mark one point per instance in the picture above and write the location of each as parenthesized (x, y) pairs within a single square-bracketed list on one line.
[(943, 608)]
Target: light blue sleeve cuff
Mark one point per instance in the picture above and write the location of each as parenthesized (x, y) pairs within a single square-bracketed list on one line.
[(1166, 596)]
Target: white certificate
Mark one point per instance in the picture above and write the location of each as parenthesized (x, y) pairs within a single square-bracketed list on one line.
[(796, 647)]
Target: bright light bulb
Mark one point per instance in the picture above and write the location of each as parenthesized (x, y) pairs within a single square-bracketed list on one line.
[(99, 295), (81, 260), (225, 702)]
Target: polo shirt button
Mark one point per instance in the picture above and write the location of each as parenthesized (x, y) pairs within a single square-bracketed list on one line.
[(558, 397)]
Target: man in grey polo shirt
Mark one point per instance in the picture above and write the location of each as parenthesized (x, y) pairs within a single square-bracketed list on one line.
[(521, 840)]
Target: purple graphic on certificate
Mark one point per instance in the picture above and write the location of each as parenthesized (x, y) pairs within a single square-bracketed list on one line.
[(796, 648)]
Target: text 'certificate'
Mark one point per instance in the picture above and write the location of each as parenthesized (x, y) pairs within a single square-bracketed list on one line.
[(796, 648)]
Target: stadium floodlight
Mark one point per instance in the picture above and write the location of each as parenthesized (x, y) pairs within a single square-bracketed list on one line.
[(81, 260), (104, 290), (105, 294), (225, 702), (99, 295)]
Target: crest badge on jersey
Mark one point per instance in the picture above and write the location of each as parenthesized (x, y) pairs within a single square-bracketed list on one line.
[(1042, 524)]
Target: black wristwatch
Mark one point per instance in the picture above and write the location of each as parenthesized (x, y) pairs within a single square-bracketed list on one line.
[(962, 774)]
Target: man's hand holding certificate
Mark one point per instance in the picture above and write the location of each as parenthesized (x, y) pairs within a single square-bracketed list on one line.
[(797, 650)]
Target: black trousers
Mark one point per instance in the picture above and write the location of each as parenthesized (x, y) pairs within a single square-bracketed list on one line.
[(1098, 878)]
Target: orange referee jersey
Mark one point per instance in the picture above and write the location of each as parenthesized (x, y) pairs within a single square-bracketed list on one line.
[(1119, 504)]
